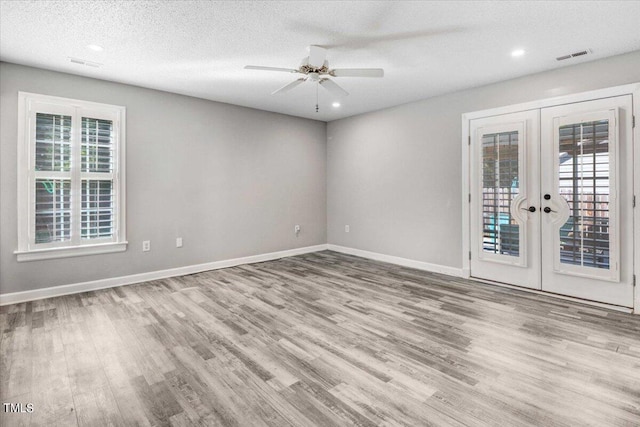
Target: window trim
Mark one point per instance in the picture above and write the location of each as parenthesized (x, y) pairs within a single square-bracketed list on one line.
[(27, 249)]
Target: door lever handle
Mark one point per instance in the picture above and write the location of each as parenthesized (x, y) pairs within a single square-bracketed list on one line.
[(530, 209), (548, 210)]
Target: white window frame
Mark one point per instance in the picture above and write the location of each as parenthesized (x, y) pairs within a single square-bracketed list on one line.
[(28, 105)]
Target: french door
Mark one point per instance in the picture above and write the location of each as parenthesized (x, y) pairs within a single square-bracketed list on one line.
[(551, 199)]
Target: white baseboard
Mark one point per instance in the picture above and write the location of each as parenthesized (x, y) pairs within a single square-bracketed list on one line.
[(464, 273), (558, 296), (405, 262), (55, 291)]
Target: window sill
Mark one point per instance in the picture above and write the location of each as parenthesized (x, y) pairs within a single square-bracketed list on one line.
[(71, 251)]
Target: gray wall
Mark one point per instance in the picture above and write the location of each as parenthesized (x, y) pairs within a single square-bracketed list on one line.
[(394, 176), (234, 181), (230, 181)]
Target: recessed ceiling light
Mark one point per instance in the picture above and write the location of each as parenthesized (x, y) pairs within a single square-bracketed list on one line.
[(518, 52), (95, 47), (336, 104)]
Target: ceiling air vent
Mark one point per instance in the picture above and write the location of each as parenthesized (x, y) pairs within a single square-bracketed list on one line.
[(572, 55), (83, 62)]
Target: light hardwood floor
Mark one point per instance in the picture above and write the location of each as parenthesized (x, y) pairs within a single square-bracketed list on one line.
[(319, 339)]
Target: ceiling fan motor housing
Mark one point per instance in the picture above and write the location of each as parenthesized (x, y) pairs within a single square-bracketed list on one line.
[(308, 69)]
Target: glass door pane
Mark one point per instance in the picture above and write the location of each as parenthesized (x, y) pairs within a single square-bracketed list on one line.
[(500, 185)]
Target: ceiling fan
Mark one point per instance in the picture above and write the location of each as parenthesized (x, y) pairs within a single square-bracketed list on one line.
[(315, 68)]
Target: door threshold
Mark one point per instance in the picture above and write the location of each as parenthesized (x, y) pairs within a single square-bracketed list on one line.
[(614, 307)]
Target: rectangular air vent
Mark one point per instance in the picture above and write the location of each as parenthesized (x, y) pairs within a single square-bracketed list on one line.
[(572, 55), (83, 62)]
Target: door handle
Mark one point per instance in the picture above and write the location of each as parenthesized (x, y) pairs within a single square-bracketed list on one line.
[(548, 210), (530, 209)]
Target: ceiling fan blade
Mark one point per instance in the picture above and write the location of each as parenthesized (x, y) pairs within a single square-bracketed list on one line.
[(259, 67), (288, 86), (317, 55), (333, 88), (357, 72)]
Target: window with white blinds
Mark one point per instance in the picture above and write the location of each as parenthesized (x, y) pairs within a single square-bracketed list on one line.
[(71, 178)]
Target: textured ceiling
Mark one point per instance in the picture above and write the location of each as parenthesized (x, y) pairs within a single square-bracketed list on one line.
[(199, 48)]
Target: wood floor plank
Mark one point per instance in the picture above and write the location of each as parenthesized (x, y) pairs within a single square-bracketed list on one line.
[(51, 390), (16, 362), (319, 339), (97, 407)]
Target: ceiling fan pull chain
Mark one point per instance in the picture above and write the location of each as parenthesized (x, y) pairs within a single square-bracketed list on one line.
[(317, 108)]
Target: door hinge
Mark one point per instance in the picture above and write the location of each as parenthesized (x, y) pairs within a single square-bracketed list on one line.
[(469, 139), (634, 201), (469, 254), (470, 198), (633, 121), (634, 280)]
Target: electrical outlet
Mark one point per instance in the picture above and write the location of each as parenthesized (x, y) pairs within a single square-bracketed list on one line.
[(296, 229), (178, 242), (346, 228), (146, 246)]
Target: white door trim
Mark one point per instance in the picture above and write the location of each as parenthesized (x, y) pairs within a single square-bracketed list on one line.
[(633, 89)]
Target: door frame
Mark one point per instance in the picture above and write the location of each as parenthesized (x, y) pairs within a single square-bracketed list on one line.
[(629, 89)]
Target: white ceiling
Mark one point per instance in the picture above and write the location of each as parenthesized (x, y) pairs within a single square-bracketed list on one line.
[(199, 48)]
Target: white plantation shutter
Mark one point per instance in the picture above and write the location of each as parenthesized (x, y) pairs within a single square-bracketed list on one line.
[(98, 195), (71, 178), (52, 210), (52, 178)]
